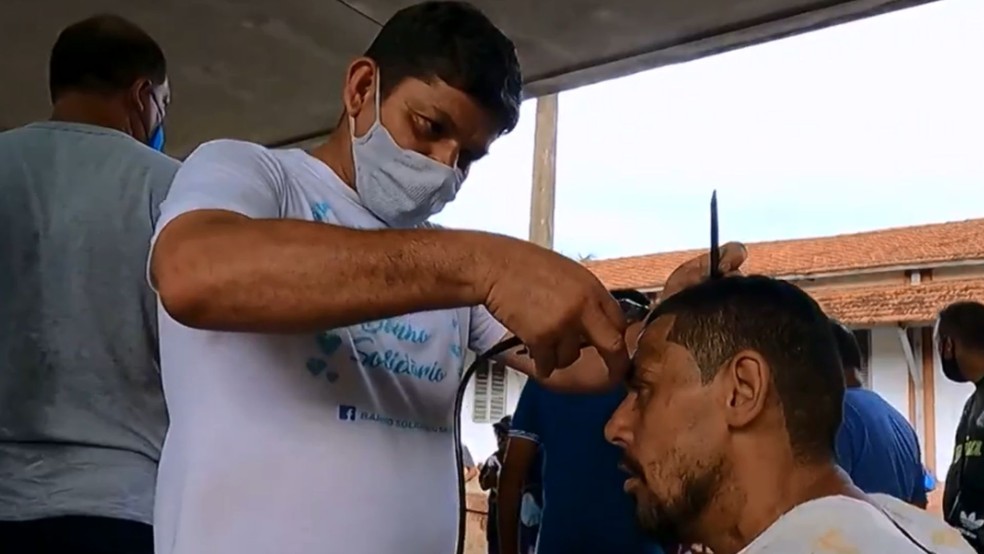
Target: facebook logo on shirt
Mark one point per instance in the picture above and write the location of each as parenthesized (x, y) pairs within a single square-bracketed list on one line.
[(346, 413)]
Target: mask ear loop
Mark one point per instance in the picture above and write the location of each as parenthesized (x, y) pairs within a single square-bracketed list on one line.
[(377, 116), (155, 138)]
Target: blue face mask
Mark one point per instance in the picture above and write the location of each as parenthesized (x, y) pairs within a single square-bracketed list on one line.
[(401, 187), (156, 140)]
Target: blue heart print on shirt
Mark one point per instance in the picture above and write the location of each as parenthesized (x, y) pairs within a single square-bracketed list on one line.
[(328, 343), (316, 366), (320, 211), (456, 351)]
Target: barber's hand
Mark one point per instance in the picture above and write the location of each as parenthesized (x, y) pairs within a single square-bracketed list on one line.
[(696, 270), (554, 305)]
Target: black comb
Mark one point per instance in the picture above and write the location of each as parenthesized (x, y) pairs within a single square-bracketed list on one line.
[(715, 264)]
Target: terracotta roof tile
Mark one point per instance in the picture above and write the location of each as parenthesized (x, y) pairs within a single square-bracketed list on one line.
[(904, 246), (892, 304)]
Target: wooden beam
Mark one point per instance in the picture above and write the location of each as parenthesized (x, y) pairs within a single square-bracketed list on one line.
[(917, 408), (544, 172), (915, 372), (929, 398)]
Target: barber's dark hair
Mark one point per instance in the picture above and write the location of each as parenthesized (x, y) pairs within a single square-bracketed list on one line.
[(964, 322), (456, 43), (718, 318), (104, 53), (847, 346)]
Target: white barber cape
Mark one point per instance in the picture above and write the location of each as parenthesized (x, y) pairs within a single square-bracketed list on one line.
[(842, 525)]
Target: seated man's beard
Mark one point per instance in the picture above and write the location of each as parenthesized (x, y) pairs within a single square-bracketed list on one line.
[(668, 520)]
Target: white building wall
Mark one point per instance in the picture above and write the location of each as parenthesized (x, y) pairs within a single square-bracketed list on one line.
[(889, 375), (478, 435), (950, 398)]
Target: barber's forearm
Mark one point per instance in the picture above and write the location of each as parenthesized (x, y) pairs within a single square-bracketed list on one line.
[(236, 274)]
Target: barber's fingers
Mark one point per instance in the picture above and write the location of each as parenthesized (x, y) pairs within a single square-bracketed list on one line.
[(568, 350), (613, 311), (607, 336), (545, 359), (733, 255), (560, 354)]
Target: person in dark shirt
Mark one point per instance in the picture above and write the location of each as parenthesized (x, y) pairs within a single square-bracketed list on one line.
[(585, 508), (468, 464), (876, 445), (488, 479), (960, 336)]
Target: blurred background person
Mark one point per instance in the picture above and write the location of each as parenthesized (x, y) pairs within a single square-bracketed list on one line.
[(876, 444), (960, 336), (488, 479), (82, 415)]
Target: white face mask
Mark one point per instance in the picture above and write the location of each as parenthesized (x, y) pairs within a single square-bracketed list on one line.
[(401, 187)]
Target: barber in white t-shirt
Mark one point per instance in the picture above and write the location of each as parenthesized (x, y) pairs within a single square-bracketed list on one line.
[(314, 327)]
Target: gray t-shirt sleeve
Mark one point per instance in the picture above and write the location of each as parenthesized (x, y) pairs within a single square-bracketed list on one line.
[(230, 175)]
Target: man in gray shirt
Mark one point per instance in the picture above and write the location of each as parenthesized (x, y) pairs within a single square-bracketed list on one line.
[(82, 415)]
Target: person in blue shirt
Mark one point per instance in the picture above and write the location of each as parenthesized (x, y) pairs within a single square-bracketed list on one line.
[(585, 508), (876, 445)]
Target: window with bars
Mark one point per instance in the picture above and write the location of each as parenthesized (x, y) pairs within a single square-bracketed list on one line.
[(490, 393)]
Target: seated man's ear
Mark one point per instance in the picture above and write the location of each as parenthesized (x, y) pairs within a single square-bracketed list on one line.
[(747, 382)]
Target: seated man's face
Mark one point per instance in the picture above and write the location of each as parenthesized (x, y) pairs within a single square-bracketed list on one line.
[(672, 433)]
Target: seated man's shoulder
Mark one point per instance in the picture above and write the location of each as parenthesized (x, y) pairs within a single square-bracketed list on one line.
[(842, 524), (927, 528)]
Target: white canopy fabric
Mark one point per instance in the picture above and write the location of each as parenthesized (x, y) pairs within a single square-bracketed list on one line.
[(270, 71)]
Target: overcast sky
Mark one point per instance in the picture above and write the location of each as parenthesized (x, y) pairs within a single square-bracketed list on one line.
[(872, 124)]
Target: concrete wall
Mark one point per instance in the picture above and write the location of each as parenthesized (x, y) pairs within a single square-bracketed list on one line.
[(888, 372), (889, 378), (477, 435), (950, 398)]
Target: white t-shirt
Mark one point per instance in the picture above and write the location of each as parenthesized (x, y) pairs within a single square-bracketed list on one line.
[(842, 525), (337, 442)]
